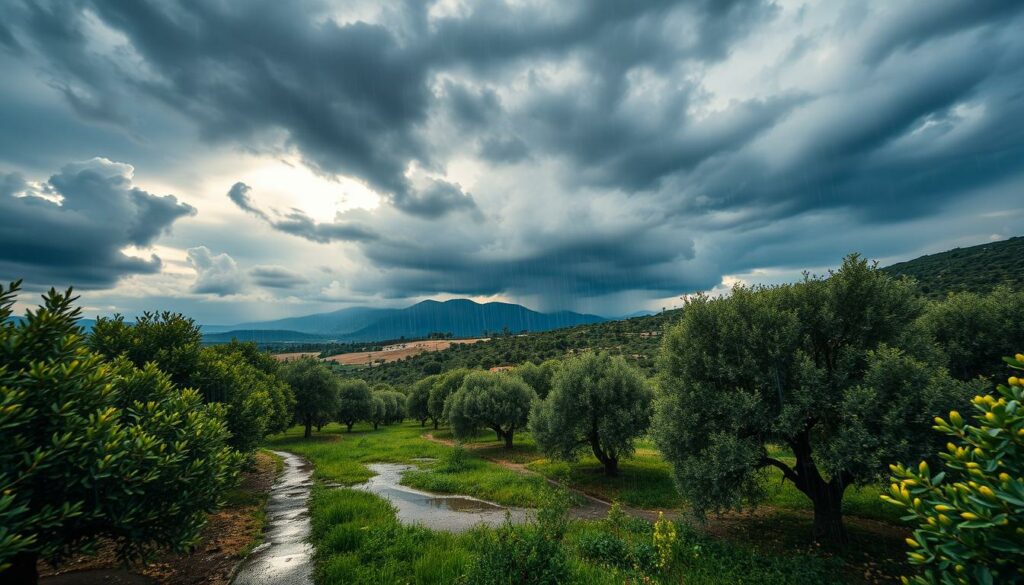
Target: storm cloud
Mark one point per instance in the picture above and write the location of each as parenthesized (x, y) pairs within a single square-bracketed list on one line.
[(557, 152), (74, 227)]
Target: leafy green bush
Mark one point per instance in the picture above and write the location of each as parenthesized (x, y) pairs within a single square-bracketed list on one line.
[(970, 516), (90, 448), (236, 374), (526, 555)]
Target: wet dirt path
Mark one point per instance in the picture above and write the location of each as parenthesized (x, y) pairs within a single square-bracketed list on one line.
[(285, 557)]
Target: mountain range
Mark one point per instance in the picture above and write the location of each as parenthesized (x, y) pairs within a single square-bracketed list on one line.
[(458, 317)]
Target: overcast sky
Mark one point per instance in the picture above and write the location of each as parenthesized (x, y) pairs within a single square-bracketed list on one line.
[(257, 159)]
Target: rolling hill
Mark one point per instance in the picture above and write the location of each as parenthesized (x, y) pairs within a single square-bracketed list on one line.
[(458, 317), (976, 268)]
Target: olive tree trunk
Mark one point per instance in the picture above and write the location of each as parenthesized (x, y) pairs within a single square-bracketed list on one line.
[(608, 459), (827, 496)]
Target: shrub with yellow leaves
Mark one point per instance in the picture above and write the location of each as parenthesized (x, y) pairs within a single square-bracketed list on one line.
[(970, 516)]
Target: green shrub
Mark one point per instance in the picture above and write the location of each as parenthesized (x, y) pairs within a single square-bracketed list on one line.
[(236, 375), (90, 448), (526, 555), (970, 516)]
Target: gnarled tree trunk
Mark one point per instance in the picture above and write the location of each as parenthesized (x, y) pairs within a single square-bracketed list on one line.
[(608, 459), (827, 496)]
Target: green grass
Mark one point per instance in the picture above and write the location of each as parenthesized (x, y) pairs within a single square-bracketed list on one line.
[(341, 457), (358, 541), (645, 480)]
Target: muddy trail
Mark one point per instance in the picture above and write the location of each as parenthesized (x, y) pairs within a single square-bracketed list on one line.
[(285, 557)]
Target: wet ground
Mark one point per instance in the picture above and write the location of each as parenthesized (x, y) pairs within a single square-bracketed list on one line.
[(437, 512), (284, 558)]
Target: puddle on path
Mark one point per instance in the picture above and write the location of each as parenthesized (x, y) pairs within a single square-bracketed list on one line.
[(450, 513), (284, 558)]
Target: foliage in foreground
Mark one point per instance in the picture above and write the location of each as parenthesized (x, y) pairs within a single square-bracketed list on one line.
[(360, 542), (835, 369), (598, 402), (90, 448), (970, 516), (236, 374)]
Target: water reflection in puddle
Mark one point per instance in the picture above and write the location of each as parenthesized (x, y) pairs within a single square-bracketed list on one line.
[(435, 511)]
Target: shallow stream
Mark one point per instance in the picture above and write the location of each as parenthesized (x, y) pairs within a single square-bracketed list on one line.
[(451, 513)]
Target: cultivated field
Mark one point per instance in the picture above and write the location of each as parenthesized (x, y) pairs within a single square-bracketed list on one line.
[(398, 351), (284, 357)]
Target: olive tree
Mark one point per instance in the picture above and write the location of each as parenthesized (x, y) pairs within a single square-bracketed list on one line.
[(597, 402), (830, 369), (444, 386), (538, 377), (497, 401), (417, 403), (974, 329), (378, 412), (355, 402), (316, 390), (90, 448)]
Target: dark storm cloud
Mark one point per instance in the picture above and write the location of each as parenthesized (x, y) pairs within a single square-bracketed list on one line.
[(72, 229), (276, 277), (439, 198), (351, 96), (879, 113), (933, 20), (298, 223)]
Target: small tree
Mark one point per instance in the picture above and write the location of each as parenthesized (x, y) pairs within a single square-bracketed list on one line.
[(444, 386), (833, 369), (396, 406), (379, 412), (355, 402), (496, 401), (970, 516), (597, 402), (316, 391), (90, 448), (539, 377), (417, 404)]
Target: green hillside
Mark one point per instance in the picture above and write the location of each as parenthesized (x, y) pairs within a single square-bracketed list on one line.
[(637, 339), (977, 268)]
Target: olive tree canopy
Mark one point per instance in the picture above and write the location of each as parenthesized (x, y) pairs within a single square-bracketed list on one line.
[(497, 401), (832, 369), (355, 402), (316, 391), (597, 402)]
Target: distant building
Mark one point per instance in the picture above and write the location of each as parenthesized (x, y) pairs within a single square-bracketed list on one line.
[(502, 368)]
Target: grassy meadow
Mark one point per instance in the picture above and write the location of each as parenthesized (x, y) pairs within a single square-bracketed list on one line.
[(359, 540)]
